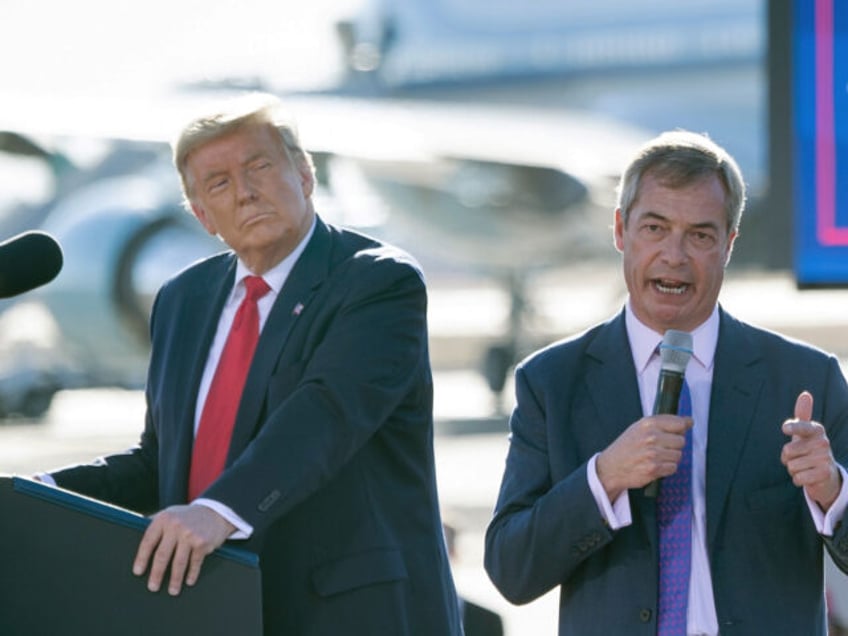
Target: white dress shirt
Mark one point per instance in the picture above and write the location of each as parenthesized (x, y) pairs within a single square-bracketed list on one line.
[(701, 617)]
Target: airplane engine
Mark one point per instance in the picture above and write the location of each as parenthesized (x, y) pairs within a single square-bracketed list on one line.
[(121, 237), (121, 242)]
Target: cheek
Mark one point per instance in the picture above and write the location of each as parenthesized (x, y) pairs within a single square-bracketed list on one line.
[(630, 269), (205, 218), (636, 257), (713, 275)]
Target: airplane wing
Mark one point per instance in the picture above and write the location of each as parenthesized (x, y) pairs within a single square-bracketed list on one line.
[(473, 180)]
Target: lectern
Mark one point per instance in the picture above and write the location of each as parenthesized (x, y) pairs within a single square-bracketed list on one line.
[(66, 568)]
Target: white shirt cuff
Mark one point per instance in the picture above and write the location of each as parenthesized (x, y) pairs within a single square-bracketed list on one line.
[(45, 478), (243, 529), (826, 522), (616, 513)]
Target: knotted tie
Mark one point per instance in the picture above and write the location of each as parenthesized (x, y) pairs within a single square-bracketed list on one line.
[(219, 411), (674, 515)]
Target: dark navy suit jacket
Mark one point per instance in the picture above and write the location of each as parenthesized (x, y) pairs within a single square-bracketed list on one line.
[(331, 459), (575, 397)]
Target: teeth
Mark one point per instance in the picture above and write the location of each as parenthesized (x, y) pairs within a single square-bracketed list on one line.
[(666, 289)]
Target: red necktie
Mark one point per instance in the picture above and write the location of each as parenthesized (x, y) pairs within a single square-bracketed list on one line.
[(219, 411)]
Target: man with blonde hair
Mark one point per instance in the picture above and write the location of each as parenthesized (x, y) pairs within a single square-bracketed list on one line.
[(289, 402)]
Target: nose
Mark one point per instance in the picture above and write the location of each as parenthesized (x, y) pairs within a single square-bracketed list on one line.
[(245, 189), (674, 249)]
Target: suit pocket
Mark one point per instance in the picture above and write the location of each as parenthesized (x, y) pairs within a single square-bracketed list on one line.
[(776, 513), (774, 499), (359, 570)]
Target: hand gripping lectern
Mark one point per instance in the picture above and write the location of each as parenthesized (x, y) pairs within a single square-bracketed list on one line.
[(66, 568)]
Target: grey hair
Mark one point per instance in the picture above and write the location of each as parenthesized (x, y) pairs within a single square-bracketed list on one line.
[(679, 158)]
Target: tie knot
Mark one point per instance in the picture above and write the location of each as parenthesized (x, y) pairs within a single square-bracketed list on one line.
[(256, 287)]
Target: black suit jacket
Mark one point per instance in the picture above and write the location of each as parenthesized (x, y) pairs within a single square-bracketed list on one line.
[(575, 397), (480, 621), (331, 459)]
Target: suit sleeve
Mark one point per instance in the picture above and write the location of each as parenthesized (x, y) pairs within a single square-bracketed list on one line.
[(835, 418), (541, 531), (365, 366)]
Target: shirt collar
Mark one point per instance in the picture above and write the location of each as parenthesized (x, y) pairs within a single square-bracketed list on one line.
[(644, 340)]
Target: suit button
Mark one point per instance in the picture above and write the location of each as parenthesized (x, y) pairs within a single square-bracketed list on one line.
[(645, 615), (270, 500)]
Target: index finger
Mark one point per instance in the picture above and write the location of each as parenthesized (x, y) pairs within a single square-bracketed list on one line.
[(802, 428), (673, 423), (148, 543)]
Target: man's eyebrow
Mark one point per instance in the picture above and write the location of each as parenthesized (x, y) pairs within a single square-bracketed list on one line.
[(705, 225), (257, 155), (212, 175), (245, 162), (653, 215)]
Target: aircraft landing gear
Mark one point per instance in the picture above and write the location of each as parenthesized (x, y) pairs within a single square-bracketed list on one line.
[(499, 359)]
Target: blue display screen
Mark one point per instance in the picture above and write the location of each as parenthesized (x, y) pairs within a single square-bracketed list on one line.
[(820, 101)]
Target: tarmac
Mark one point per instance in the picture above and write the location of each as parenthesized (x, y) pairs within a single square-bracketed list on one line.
[(466, 315)]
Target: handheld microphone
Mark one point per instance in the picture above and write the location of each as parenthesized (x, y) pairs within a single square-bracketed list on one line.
[(675, 352), (27, 261)]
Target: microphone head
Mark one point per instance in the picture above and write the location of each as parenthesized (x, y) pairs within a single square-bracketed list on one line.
[(27, 261), (675, 350)]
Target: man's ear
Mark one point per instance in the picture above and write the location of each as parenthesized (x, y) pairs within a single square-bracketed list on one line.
[(204, 219), (307, 178), (618, 230), (731, 241)]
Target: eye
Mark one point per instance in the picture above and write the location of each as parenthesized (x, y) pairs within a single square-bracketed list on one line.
[(216, 185), (703, 239), (260, 165), (652, 230)]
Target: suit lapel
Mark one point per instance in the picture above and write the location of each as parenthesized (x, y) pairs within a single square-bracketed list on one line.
[(297, 293), (195, 321), (611, 382), (737, 384), (610, 371)]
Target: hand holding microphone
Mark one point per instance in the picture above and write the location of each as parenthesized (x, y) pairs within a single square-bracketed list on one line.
[(632, 459), (675, 352)]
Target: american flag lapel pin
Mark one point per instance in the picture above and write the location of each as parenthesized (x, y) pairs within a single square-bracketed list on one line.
[(298, 308)]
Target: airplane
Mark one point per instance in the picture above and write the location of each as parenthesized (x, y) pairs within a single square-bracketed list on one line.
[(509, 123), (487, 136)]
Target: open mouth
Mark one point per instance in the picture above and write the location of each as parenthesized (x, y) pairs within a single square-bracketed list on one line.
[(675, 288)]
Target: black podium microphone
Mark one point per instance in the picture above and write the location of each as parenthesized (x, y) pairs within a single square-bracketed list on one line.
[(27, 261), (675, 352)]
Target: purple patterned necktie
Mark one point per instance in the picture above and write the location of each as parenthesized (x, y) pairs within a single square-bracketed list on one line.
[(674, 515)]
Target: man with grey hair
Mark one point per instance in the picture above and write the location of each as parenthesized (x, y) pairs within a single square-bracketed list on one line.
[(750, 468), (289, 402)]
